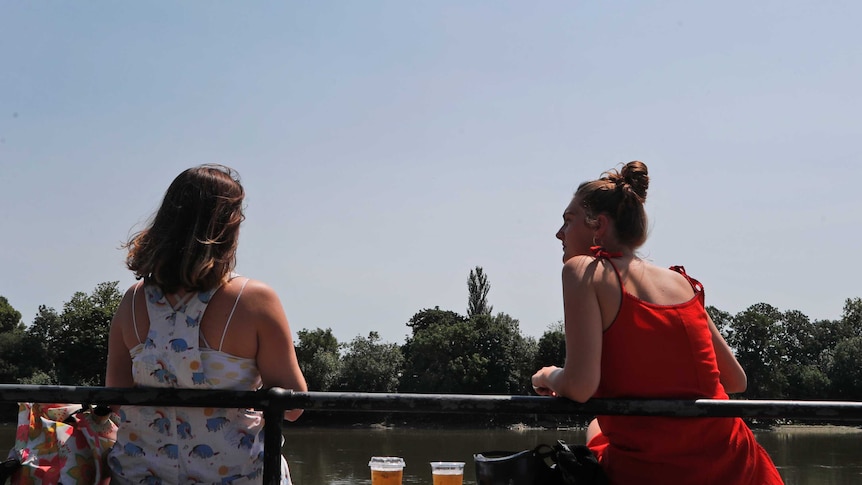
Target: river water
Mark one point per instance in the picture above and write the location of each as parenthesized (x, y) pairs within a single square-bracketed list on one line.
[(804, 455)]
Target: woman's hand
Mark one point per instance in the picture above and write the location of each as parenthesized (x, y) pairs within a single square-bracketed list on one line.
[(541, 381)]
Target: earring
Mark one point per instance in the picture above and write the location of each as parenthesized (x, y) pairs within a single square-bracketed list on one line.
[(597, 242)]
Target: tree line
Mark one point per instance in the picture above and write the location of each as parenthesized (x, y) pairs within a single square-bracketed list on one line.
[(785, 354)]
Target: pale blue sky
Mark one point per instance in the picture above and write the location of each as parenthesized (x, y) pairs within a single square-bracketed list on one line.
[(388, 147)]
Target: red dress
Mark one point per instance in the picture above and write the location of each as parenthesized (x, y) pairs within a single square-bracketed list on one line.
[(665, 351)]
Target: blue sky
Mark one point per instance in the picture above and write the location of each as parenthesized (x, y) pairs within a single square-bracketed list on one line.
[(388, 147)]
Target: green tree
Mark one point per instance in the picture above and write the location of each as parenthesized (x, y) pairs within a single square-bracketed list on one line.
[(435, 357), (499, 341), (722, 319), (483, 354), (755, 337), (551, 347), (319, 360), (14, 358), (809, 382), (10, 318), (38, 378), (478, 287), (489, 340), (851, 317), (838, 344), (81, 344), (828, 334), (525, 359), (846, 373), (69, 348), (797, 338), (800, 357), (479, 353), (47, 326), (45, 335), (427, 318), (371, 366)]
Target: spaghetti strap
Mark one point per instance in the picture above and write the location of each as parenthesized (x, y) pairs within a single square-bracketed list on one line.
[(181, 301), (601, 253), (693, 282), (134, 320), (227, 324)]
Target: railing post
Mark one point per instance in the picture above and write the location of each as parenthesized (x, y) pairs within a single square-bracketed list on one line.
[(273, 416)]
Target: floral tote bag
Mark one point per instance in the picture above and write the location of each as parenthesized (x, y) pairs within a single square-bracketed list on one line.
[(62, 444)]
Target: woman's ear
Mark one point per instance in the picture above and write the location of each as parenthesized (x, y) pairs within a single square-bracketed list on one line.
[(601, 226)]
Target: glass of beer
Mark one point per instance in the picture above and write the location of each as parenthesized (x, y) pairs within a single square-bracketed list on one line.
[(386, 470), (447, 472)]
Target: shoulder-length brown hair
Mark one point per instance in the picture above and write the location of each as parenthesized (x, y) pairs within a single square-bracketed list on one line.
[(191, 242)]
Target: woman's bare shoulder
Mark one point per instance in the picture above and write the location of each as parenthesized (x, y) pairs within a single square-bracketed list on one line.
[(661, 285), (252, 289), (671, 275), (254, 298), (580, 266), (124, 309)]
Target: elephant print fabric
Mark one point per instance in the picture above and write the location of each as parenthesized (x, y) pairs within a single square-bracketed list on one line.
[(167, 445)]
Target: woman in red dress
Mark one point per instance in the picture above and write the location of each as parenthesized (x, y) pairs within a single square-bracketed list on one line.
[(636, 330)]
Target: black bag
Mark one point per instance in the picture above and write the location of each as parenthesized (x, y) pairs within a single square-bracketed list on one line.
[(506, 468), (561, 464), (570, 465)]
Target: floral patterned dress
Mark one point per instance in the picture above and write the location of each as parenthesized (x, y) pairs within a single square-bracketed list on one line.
[(177, 445)]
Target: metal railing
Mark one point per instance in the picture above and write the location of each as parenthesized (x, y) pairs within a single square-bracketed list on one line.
[(273, 403)]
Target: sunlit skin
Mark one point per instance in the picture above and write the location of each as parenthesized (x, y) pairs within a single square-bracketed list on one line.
[(584, 322), (259, 331), (591, 299)]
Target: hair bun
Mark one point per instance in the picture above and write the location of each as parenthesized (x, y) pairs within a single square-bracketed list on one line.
[(635, 175)]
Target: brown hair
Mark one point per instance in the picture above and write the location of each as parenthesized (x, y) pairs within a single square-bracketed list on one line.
[(621, 196), (192, 239)]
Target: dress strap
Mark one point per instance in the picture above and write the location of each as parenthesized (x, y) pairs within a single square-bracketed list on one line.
[(134, 320), (227, 324), (601, 253), (698, 288), (181, 301)]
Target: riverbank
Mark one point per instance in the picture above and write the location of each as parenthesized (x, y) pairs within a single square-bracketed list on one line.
[(383, 421), (799, 429), (327, 419)]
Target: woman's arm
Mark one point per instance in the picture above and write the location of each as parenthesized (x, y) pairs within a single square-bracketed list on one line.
[(579, 378), (732, 374), (276, 355), (119, 370)]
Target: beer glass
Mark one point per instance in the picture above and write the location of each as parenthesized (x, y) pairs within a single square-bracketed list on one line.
[(386, 470), (447, 472)]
